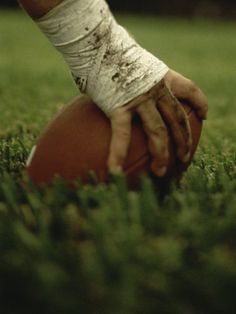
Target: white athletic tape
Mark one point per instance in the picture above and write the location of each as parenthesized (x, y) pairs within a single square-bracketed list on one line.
[(106, 62)]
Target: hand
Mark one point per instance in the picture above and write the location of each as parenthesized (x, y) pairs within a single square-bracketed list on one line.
[(157, 108)]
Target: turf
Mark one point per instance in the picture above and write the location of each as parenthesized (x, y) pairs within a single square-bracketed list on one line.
[(106, 249)]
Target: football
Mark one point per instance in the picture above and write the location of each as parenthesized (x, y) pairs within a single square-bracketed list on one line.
[(76, 144)]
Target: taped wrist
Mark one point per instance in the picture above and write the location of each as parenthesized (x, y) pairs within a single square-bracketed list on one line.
[(106, 62)]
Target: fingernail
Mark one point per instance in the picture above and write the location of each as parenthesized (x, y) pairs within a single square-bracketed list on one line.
[(160, 172)]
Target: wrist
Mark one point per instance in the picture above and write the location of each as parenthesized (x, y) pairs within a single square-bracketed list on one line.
[(106, 62)]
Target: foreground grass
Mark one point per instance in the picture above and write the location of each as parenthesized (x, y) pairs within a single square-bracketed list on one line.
[(72, 251)]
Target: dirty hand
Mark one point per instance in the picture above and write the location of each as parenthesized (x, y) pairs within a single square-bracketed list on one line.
[(158, 109)]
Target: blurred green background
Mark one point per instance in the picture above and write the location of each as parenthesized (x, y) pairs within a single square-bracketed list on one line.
[(105, 249)]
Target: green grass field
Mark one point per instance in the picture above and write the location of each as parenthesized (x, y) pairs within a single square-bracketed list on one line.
[(105, 249)]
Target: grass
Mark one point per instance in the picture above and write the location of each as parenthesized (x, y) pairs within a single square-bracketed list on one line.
[(71, 251)]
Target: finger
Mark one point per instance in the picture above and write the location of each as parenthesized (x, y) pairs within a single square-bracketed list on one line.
[(186, 89), (177, 120), (157, 135), (120, 140)]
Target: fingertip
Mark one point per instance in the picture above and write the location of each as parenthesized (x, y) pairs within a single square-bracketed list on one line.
[(203, 113), (183, 156), (161, 172), (186, 158), (160, 168), (114, 164), (115, 170)]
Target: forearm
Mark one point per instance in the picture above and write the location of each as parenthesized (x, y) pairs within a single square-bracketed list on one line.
[(38, 8), (106, 62), (113, 69)]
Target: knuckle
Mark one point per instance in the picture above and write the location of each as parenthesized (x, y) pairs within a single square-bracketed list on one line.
[(124, 133), (204, 109), (124, 118), (162, 149), (192, 85), (120, 124), (159, 143), (120, 158), (198, 94), (158, 130), (163, 132), (194, 89), (118, 114), (204, 102)]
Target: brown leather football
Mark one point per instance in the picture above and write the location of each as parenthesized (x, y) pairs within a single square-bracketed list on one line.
[(77, 140)]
